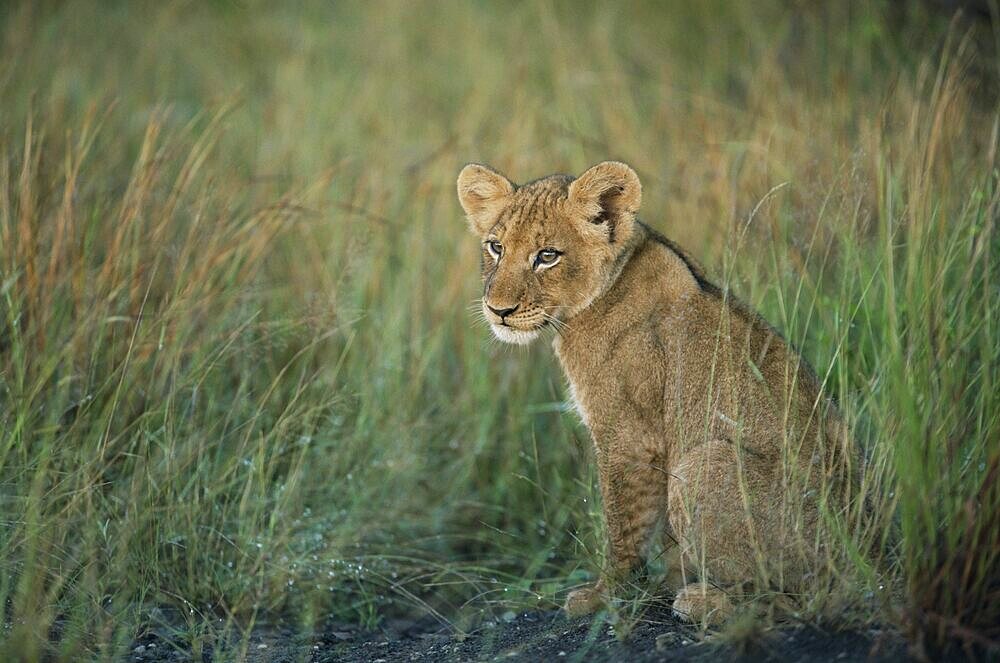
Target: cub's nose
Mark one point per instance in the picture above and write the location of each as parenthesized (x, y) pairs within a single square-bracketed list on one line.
[(502, 312)]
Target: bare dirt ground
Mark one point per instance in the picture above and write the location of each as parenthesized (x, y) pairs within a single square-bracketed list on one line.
[(533, 636)]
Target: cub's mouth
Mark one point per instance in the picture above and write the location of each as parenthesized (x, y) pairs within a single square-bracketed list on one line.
[(509, 334), (511, 330)]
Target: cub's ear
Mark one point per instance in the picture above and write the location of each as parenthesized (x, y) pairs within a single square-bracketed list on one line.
[(608, 195), (481, 190)]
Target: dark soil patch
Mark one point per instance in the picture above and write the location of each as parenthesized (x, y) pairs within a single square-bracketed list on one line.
[(537, 636)]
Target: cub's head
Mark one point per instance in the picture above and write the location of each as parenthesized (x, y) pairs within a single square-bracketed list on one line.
[(550, 247)]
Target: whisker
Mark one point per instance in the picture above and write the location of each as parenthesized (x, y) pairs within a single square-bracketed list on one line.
[(559, 325), (556, 321)]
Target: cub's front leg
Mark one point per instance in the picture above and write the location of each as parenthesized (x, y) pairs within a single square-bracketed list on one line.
[(634, 493)]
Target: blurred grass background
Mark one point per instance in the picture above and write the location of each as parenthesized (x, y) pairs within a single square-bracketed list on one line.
[(239, 375)]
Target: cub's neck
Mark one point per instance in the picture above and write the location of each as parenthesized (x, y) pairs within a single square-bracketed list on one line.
[(652, 278)]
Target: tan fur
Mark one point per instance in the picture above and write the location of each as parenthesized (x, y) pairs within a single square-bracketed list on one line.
[(703, 418)]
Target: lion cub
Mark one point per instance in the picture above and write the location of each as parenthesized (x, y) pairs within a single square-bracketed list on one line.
[(704, 421)]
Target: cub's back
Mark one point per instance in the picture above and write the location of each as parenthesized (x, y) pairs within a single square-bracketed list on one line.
[(730, 374)]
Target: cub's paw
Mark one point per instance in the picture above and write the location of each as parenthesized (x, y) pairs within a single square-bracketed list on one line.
[(701, 603), (585, 600)]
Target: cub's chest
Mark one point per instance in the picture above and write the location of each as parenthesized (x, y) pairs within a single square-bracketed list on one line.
[(609, 388), (576, 400)]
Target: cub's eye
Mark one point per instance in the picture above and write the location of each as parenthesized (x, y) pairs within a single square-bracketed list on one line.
[(547, 258), (495, 248)]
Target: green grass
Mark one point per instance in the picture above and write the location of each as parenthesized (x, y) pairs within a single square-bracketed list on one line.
[(239, 375)]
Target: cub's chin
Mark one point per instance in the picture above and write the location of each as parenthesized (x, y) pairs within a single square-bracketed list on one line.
[(515, 336)]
